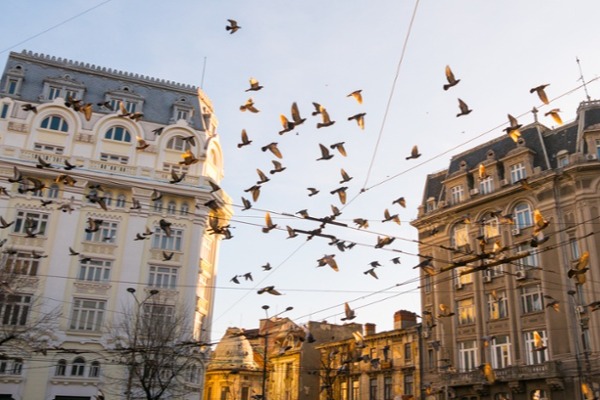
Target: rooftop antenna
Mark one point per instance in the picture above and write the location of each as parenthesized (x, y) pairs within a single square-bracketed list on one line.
[(582, 80), (204, 69)]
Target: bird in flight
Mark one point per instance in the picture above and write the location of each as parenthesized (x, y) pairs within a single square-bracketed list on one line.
[(341, 191), (339, 147), (357, 94), (232, 27), (555, 116), (296, 115), (272, 147), (287, 125), (325, 154), (254, 85), (538, 342), (541, 92), (277, 167), (270, 290), (269, 225), (452, 81), (401, 201), (313, 191), (348, 312), (414, 153), (325, 120), (249, 106), (464, 108), (513, 129), (245, 141), (360, 119), (345, 176)]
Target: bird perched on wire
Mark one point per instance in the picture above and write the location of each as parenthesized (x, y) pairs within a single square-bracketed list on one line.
[(452, 81), (232, 27), (414, 153), (254, 86), (541, 92)]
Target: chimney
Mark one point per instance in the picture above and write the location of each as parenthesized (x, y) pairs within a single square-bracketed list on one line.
[(404, 319), (369, 329)]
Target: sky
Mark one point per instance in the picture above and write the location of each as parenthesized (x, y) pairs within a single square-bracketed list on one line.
[(320, 51)]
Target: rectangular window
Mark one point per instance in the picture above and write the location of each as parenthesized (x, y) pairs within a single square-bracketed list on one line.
[(461, 235), (462, 279), (114, 158), (163, 277), (536, 355), (95, 271), (466, 311), (4, 111), (355, 389), (182, 114), (14, 309), (486, 186), (178, 169), (574, 248), (456, 194), (225, 393), (517, 172), (563, 160), (87, 314), (408, 384), (160, 240), (531, 299), (373, 389), (491, 228), (11, 86), (53, 92), (467, 355), (597, 149), (431, 359), (158, 314), (106, 234), (387, 388), (427, 284), (31, 221), (22, 264), (46, 148), (344, 390), (497, 305), (531, 261), (500, 347), (407, 352)]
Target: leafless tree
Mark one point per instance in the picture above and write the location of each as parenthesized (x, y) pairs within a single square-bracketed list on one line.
[(155, 346)]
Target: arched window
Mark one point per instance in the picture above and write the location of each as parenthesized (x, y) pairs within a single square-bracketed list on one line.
[(490, 227), (177, 143), (55, 123), (460, 236), (171, 207), (522, 215), (184, 209), (78, 366), (108, 198), (118, 133), (158, 206), (53, 191), (94, 369), (121, 201), (61, 368)]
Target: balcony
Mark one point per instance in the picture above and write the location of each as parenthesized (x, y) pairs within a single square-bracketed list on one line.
[(547, 370)]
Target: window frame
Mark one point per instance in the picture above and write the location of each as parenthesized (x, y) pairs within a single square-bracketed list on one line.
[(497, 309), (518, 172), (161, 241), (523, 215), (118, 133), (163, 276), (55, 123), (533, 356), (467, 355), (95, 271), (107, 229), (40, 219), (85, 318), (457, 194), (465, 311), (15, 309), (500, 349), (531, 299), (486, 185)]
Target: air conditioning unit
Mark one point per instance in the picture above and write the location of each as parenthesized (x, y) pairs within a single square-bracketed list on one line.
[(516, 231), (504, 182), (458, 285), (520, 275), (474, 192), (591, 157), (487, 279)]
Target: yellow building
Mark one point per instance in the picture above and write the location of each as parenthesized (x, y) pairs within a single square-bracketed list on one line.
[(510, 276), (123, 233)]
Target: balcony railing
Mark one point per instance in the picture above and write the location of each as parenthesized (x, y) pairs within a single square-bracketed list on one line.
[(549, 369)]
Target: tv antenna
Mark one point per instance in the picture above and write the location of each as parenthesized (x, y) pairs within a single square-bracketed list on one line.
[(587, 95)]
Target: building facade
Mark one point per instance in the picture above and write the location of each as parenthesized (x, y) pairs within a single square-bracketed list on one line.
[(510, 266), (374, 366), (106, 176)]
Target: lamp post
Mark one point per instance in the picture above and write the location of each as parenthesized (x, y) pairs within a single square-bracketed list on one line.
[(266, 354), (135, 333)]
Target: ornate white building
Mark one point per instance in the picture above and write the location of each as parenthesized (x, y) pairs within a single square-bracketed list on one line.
[(127, 262)]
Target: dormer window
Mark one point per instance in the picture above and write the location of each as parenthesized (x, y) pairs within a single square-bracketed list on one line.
[(182, 109), (132, 101), (63, 87), (14, 79), (517, 172), (486, 185), (457, 194), (562, 159)]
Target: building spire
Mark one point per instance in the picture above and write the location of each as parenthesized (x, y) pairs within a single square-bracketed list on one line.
[(587, 95)]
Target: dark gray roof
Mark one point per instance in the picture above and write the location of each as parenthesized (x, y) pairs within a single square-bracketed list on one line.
[(591, 117), (159, 95), (564, 138), (434, 185)]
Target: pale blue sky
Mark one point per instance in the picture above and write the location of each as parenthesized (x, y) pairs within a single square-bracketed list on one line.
[(320, 51)]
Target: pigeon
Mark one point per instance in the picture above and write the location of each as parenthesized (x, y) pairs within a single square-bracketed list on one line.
[(248, 276), (349, 313), (254, 86), (539, 221), (341, 191), (552, 302), (317, 109), (235, 279), (287, 125), (303, 213), (158, 131), (277, 167), (141, 144), (580, 268), (135, 204), (68, 166), (270, 290), (360, 119), (482, 172), (29, 107), (213, 187), (414, 153), (249, 106), (388, 217), (296, 115), (345, 176), (371, 272), (232, 27), (445, 311), (246, 203), (312, 191), (555, 116), (165, 226), (538, 342), (513, 129), (272, 147), (325, 120), (41, 163), (361, 223), (464, 109), (263, 178), (488, 373), (87, 111), (245, 141), (452, 81), (339, 147), (167, 256), (328, 260), (255, 190), (177, 178), (156, 195), (541, 92), (291, 232), (401, 201), (396, 260), (188, 158), (335, 211), (266, 267), (357, 96), (4, 224), (269, 225), (17, 176)]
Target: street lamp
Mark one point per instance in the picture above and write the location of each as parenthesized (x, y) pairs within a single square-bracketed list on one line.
[(266, 355), (135, 333)]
